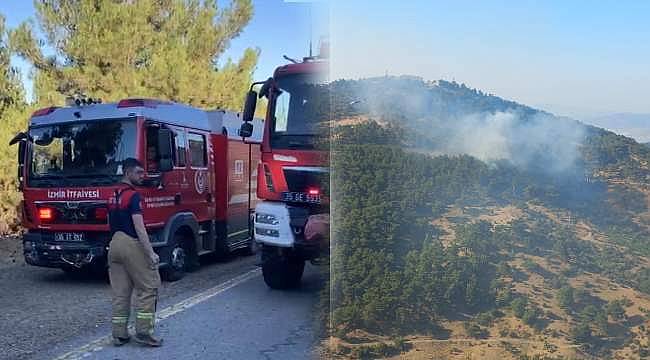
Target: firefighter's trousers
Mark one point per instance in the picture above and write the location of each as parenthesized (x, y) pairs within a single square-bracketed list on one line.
[(131, 271)]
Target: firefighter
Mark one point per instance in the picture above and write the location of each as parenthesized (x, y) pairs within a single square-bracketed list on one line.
[(133, 265)]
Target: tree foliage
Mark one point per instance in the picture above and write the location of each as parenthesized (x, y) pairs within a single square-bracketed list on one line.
[(165, 49), (13, 117), (616, 310), (565, 297)]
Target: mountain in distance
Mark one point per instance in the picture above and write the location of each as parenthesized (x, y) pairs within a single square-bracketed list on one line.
[(633, 125)]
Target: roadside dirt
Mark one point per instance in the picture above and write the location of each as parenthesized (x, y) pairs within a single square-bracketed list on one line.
[(11, 252)]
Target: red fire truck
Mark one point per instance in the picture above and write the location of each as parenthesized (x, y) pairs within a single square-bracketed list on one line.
[(196, 197), (294, 172)]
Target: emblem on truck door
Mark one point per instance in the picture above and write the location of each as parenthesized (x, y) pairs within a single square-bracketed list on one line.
[(72, 205), (200, 181)]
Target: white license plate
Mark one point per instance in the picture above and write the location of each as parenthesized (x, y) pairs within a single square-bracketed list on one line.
[(301, 197), (69, 236)]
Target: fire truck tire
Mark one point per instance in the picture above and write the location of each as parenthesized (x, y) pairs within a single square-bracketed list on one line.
[(283, 272), (177, 261)]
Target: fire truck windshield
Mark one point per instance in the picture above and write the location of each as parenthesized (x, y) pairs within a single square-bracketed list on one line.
[(81, 153), (301, 112)]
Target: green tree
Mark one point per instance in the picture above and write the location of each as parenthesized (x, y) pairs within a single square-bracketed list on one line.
[(13, 115), (644, 285), (589, 313), (601, 322), (530, 316), (519, 306), (615, 310), (580, 333), (565, 297), (474, 330), (579, 295), (112, 49)]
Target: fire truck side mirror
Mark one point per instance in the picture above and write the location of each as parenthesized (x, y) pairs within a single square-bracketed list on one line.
[(249, 107), (246, 130), (21, 139), (266, 88), (165, 150), (22, 149)]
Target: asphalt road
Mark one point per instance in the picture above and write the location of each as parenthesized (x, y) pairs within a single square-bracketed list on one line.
[(222, 311)]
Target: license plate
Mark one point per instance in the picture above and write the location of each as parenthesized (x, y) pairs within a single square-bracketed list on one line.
[(301, 197), (69, 236)]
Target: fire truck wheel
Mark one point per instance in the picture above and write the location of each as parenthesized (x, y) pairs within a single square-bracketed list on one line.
[(283, 272), (177, 261)]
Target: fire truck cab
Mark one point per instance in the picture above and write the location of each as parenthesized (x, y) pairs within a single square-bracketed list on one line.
[(196, 197), (292, 217)]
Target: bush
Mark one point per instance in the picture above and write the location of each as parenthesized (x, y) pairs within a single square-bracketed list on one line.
[(615, 310), (581, 333), (529, 265), (503, 297), (475, 330), (380, 350), (518, 306), (565, 297), (485, 319), (530, 316)]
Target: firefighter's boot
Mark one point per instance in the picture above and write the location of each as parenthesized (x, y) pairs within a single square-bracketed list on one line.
[(148, 340), (118, 341)]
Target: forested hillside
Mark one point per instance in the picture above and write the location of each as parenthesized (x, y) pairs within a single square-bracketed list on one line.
[(461, 216)]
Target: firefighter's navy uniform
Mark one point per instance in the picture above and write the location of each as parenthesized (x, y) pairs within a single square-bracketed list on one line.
[(130, 269)]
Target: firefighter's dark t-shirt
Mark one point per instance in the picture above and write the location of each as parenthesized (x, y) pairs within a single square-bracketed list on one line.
[(127, 203)]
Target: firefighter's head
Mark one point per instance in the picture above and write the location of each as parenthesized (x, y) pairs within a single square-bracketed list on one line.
[(133, 171)]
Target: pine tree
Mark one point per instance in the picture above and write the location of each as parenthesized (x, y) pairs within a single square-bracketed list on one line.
[(165, 49), (13, 115)]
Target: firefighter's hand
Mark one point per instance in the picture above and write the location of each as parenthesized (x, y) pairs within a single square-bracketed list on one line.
[(154, 258)]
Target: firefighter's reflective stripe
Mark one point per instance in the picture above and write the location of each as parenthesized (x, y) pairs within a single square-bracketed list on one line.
[(120, 319), (144, 315)]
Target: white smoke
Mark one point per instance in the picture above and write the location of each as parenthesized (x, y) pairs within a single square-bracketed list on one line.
[(541, 141), (525, 137)]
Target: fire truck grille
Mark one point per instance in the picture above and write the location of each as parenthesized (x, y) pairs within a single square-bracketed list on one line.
[(304, 179), (76, 212)]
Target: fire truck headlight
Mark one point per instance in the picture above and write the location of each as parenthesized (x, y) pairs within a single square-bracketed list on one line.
[(267, 232), (266, 219)]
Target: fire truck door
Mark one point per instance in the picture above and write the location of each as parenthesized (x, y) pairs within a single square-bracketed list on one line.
[(199, 196)]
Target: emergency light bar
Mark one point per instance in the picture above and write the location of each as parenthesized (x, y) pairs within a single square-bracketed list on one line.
[(150, 103), (44, 111)]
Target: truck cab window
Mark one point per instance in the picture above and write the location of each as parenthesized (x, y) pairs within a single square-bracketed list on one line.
[(180, 146), (152, 150), (82, 153), (198, 156), (282, 111)]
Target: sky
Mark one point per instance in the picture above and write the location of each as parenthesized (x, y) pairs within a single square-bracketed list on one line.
[(568, 57), (579, 58), (278, 28)]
